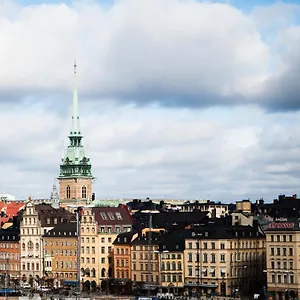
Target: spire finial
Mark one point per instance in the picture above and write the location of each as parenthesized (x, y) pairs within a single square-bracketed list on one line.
[(75, 65)]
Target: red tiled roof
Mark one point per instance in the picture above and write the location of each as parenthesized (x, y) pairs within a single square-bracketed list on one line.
[(105, 215)]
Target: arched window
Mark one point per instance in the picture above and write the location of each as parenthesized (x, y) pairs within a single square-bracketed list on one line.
[(30, 245), (93, 272), (37, 246), (163, 266), (103, 273), (23, 246), (168, 265), (68, 192), (83, 192), (179, 266), (173, 265)]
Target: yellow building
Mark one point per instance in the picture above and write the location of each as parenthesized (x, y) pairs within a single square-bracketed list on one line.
[(283, 250), (98, 230), (171, 257), (145, 259), (60, 252), (224, 260)]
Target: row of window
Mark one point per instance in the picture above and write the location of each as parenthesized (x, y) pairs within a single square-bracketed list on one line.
[(282, 264), (146, 278), (122, 251), (89, 250), (66, 275), (171, 278), (83, 192), (12, 256), (9, 245), (145, 267), (92, 260), (281, 238), (282, 251), (170, 256), (61, 243), (9, 267), (122, 263), (205, 272), (31, 266), (30, 246), (122, 274), (205, 257), (145, 256), (283, 278), (62, 252), (168, 266), (66, 265), (145, 248)]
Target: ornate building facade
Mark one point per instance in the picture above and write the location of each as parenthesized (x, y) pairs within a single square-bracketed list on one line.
[(75, 176)]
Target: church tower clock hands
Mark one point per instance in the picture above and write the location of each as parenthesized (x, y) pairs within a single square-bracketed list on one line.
[(75, 177)]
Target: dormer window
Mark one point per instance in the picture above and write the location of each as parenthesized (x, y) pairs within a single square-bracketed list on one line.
[(103, 215), (48, 220), (118, 215), (111, 216), (55, 220)]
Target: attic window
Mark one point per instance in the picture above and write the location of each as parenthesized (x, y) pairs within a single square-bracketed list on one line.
[(111, 216), (118, 215), (177, 247), (55, 220), (103, 215), (14, 237), (164, 246), (48, 220), (65, 233)]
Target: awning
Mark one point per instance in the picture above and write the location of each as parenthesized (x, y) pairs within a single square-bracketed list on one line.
[(70, 282)]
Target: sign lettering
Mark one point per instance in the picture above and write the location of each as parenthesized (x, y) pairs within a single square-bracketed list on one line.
[(281, 225)]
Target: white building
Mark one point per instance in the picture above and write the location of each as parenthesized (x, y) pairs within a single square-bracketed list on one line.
[(37, 220)]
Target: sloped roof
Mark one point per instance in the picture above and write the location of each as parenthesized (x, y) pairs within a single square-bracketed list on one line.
[(106, 215), (47, 215), (63, 230)]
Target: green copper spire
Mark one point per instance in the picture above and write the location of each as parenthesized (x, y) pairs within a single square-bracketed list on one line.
[(74, 163)]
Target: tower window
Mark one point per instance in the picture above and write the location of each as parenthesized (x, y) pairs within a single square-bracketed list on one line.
[(68, 192), (83, 192)]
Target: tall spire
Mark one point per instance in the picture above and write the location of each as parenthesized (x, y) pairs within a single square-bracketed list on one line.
[(75, 130)]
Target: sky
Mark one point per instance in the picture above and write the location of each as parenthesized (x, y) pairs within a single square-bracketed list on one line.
[(179, 99)]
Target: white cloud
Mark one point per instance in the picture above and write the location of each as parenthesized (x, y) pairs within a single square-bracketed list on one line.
[(142, 50), (134, 48)]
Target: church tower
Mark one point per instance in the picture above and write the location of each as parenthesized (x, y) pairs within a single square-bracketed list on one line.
[(75, 178)]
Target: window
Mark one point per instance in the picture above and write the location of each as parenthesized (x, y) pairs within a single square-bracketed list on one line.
[(190, 257), (222, 246), (68, 192), (190, 271), (205, 245), (213, 245), (83, 192), (118, 215), (278, 251), (272, 238), (273, 278), (213, 258), (290, 238), (284, 238), (103, 215), (272, 252), (278, 238), (222, 258), (205, 257), (111, 216), (190, 245), (102, 250), (272, 265), (291, 251)]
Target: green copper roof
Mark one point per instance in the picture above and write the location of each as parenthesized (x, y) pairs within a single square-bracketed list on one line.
[(75, 163)]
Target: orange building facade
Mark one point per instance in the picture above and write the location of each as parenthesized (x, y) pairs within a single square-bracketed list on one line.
[(10, 253), (122, 256)]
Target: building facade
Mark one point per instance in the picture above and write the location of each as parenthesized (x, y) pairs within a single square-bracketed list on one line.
[(145, 259), (98, 230), (37, 220), (283, 250), (10, 253), (122, 255), (224, 260), (60, 250), (75, 176)]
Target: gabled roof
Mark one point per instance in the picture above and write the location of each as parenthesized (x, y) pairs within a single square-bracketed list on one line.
[(112, 215)]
